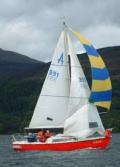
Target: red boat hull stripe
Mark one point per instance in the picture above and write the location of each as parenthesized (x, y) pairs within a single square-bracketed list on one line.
[(94, 144)]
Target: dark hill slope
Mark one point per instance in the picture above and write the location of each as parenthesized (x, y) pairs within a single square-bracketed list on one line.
[(13, 64), (9, 56)]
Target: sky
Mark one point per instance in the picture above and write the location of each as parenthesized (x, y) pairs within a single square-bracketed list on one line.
[(33, 27)]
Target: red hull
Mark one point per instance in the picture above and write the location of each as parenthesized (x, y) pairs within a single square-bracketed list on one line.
[(100, 143)]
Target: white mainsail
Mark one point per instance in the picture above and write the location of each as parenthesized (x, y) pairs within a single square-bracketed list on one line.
[(50, 111)]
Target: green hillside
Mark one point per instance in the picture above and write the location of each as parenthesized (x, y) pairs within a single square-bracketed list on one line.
[(19, 92)]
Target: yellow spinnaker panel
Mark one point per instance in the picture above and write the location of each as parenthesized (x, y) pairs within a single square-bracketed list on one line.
[(81, 38), (101, 85), (96, 62)]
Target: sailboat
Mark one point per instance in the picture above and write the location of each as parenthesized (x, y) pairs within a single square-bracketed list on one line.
[(67, 102)]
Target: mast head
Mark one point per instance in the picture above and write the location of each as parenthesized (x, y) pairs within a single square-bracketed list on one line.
[(64, 25)]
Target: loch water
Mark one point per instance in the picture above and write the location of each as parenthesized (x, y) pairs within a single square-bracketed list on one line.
[(109, 157)]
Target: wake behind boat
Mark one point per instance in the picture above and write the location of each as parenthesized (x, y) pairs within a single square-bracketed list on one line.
[(67, 102)]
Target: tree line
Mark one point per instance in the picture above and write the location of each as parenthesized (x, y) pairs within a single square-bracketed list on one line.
[(18, 99)]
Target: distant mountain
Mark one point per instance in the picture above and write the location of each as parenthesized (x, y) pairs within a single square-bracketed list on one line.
[(13, 57), (13, 64)]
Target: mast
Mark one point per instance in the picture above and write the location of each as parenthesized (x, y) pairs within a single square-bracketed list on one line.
[(66, 49), (65, 40)]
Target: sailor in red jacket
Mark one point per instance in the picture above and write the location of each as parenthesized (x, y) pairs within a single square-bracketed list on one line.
[(47, 134), (41, 136), (107, 133)]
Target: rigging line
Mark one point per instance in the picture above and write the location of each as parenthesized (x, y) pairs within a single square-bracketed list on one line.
[(22, 124), (100, 113), (55, 96), (76, 66), (58, 65), (65, 96), (78, 97)]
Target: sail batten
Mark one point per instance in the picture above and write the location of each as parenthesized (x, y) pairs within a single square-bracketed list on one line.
[(102, 92)]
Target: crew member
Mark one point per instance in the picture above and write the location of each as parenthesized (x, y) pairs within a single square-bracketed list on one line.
[(47, 134), (40, 136), (107, 133)]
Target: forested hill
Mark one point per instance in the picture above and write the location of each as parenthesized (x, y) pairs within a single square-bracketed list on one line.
[(21, 79)]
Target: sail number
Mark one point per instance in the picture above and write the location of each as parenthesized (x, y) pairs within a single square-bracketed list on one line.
[(82, 79), (53, 75), (83, 83)]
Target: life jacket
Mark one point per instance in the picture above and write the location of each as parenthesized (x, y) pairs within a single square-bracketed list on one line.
[(107, 133), (41, 139), (40, 133), (47, 135), (41, 136)]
